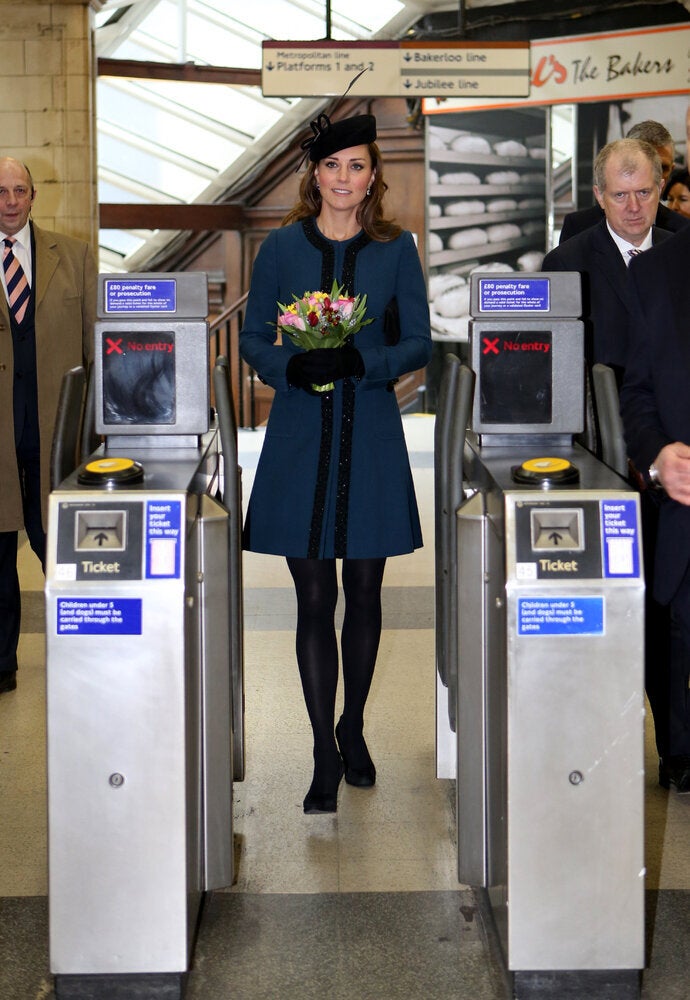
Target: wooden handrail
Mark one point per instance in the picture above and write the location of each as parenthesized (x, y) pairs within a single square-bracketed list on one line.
[(224, 334), (229, 311)]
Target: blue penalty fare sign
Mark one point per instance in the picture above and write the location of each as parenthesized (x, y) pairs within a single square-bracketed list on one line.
[(560, 616), (514, 294), (153, 295)]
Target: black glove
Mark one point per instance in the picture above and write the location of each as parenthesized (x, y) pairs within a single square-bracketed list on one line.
[(294, 371), (296, 375), (324, 364)]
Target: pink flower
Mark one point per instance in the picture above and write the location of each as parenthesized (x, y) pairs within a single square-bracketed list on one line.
[(290, 319), (345, 307)]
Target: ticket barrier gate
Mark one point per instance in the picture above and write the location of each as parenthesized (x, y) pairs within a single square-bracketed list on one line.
[(139, 636), (548, 688)]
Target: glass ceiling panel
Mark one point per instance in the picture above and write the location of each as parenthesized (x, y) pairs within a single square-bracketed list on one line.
[(165, 180), (172, 142), (159, 114), (120, 242)]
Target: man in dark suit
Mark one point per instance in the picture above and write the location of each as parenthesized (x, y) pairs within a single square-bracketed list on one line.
[(655, 404), (47, 313), (658, 136), (627, 184)]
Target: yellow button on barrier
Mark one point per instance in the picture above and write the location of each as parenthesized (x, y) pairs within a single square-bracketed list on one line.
[(110, 465), (546, 465)]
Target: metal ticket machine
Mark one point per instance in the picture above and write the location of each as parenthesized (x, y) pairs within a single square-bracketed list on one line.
[(544, 671), (140, 741)]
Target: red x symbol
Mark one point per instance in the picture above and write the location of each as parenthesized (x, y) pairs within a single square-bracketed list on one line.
[(490, 346), (114, 345)]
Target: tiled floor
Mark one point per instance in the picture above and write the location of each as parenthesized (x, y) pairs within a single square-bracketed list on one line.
[(363, 904)]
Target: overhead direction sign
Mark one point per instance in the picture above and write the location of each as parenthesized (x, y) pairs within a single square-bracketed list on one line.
[(396, 69)]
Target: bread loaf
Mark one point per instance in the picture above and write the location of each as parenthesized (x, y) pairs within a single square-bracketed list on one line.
[(503, 231), (470, 144), (472, 237), (502, 177), (460, 177), (510, 147), (470, 206), (501, 205)]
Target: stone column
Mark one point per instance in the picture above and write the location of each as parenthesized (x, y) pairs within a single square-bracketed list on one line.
[(47, 116)]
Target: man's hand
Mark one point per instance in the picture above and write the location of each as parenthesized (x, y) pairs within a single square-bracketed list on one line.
[(673, 465)]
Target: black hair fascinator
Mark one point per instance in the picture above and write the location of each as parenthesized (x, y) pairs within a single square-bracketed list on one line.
[(328, 137), (319, 126)]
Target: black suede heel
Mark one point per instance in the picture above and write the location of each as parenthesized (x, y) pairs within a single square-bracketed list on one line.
[(322, 796), (359, 777)]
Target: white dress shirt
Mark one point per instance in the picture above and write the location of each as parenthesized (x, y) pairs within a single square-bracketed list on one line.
[(624, 246)]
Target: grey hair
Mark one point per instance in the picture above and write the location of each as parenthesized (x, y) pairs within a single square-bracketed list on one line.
[(652, 132), (630, 151)]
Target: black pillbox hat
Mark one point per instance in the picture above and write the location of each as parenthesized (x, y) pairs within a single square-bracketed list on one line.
[(329, 137)]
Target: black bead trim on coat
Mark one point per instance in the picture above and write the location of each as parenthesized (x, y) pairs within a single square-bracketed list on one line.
[(317, 511), (327, 252), (347, 282), (351, 252), (328, 257), (345, 452)]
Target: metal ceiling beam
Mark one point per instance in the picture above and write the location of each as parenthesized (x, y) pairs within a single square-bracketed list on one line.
[(184, 72), (196, 218)]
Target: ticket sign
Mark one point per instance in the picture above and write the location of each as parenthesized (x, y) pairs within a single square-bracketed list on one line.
[(163, 539), (396, 69), (621, 541)]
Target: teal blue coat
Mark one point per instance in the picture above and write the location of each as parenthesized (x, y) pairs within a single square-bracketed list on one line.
[(333, 479)]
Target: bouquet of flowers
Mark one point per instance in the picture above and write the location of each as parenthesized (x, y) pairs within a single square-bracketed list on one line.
[(320, 319)]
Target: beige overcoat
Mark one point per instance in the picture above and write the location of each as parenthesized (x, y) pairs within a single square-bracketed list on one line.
[(66, 280)]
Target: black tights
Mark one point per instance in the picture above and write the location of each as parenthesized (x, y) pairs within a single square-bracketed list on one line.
[(316, 585)]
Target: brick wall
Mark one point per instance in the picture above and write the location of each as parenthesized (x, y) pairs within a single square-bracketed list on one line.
[(47, 109)]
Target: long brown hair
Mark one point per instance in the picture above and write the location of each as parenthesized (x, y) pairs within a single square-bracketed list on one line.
[(369, 213)]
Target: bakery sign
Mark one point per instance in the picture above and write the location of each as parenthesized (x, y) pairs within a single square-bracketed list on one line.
[(643, 62)]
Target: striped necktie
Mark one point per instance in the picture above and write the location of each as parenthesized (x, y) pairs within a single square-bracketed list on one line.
[(18, 290), (633, 252)]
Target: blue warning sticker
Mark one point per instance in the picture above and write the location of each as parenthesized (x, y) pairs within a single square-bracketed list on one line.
[(514, 294), (621, 542), (99, 616), (163, 540), (560, 616), (127, 295)]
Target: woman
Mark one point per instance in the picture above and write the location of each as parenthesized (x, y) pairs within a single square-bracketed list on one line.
[(333, 479), (677, 192)]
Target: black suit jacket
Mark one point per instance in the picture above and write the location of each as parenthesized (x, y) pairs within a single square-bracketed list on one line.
[(577, 222), (605, 303), (655, 398)]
